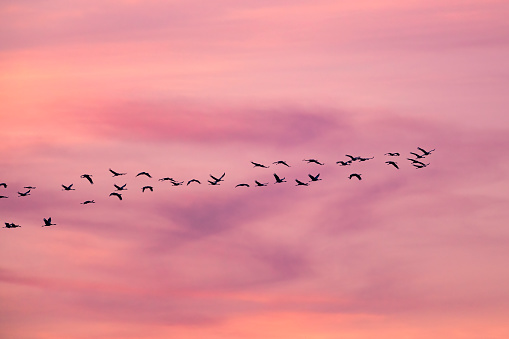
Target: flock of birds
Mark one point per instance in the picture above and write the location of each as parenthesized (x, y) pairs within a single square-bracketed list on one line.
[(417, 161)]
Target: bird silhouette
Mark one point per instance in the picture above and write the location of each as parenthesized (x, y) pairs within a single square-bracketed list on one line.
[(313, 161), (424, 151), (278, 179), (30, 187), (88, 177), (3, 197), (213, 182), (24, 194), (68, 188), (420, 165), (393, 163), (120, 188), (87, 202), (144, 173), (118, 195), (300, 183), (352, 158), (147, 188), (344, 163), (166, 179), (281, 162), (11, 225), (193, 180), (314, 178), (355, 175), (259, 184), (418, 156), (47, 222), (3, 184), (259, 165), (116, 174), (395, 154), (365, 159), (177, 183), (242, 185), (416, 162), (217, 180)]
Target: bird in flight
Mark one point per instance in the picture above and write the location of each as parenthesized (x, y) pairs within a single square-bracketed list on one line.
[(278, 179), (177, 183), (87, 202), (393, 163), (259, 165), (147, 188), (344, 163), (364, 159), (259, 184), (88, 177), (118, 195), (47, 222), (355, 175), (30, 187), (24, 194), (68, 188), (217, 180), (281, 162), (116, 174), (3, 184), (144, 173), (166, 179), (419, 164), (352, 158), (242, 185), (300, 183), (395, 154), (418, 156), (193, 180), (424, 151), (314, 178), (3, 197), (313, 161), (120, 188), (11, 225)]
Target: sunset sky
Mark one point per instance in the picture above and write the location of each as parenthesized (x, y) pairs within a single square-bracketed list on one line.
[(185, 89)]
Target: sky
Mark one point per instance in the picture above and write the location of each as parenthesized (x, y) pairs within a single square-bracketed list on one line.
[(189, 89)]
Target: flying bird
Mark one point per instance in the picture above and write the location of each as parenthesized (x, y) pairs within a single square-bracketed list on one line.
[(418, 156), (416, 162), (88, 177), (424, 151), (24, 194), (144, 173), (3, 197), (352, 158), (259, 184), (242, 185), (120, 188), (116, 174), (87, 202), (118, 195), (68, 188), (217, 180), (213, 182), (395, 154), (147, 188), (344, 163), (355, 175), (278, 179), (364, 159), (300, 183), (11, 225), (177, 183), (166, 179), (281, 162), (193, 180), (30, 187), (314, 178), (3, 184), (259, 165), (313, 161), (47, 222), (393, 163), (420, 165)]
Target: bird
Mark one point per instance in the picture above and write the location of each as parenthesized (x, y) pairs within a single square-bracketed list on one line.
[(30, 187), (313, 161), (116, 174), (47, 222), (242, 185), (358, 176), (147, 188), (87, 202), (414, 162), (3, 184), (193, 180), (417, 156), (395, 154), (120, 188), (88, 177), (281, 162), (424, 151), (68, 188), (300, 183), (314, 178), (259, 184), (364, 159), (166, 179), (24, 194), (11, 225), (217, 180), (352, 158), (118, 195), (344, 163), (3, 197), (278, 179), (259, 165), (393, 163), (177, 183), (213, 182), (420, 165), (144, 173)]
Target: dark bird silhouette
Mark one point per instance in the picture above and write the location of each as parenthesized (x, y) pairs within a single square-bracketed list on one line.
[(3, 197), (355, 175), (416, 162), (144, 173), (120, 188), (213, 182), (193, 180), (68, 188), (242, 185), (417, 156), (87, 202), (11, 225), (47, 222), (281, 162), (352, 158), (424, 151), (395, 154), (300, 183), (344, 163), (116, 174), (278, 179), (147, 188), (365, 159), (393, 163), (420, 165), (166, 179), (217, 180), (88, 177), (30, 187), (314, 178), (313, 161), (259, 165), (118, 195), (24, 194), (177, 183), (259, 184), (3, 184)]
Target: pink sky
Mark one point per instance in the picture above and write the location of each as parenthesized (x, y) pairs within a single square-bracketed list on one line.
[(186, 89)]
